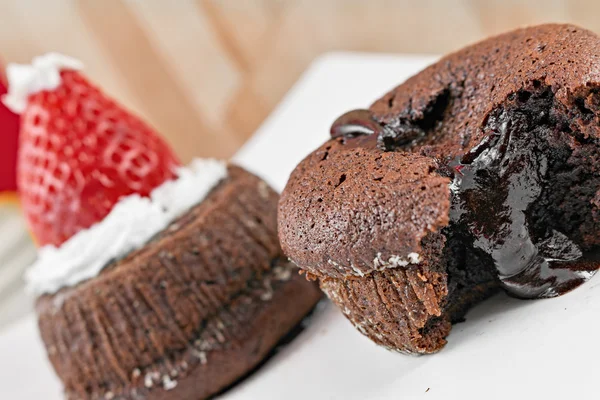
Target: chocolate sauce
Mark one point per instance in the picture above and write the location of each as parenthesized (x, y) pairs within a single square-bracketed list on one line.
[(493, 188), (355, 123)]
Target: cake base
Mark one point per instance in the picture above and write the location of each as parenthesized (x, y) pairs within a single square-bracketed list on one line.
[(186, 315)]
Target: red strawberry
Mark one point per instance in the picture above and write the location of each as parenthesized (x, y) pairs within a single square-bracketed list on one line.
[(9, 137), (79, 153)]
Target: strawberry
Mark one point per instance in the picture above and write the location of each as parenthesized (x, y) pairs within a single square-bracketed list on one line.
[(79, 153), (9, 133)]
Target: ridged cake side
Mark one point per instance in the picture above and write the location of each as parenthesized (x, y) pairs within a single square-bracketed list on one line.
[(186, 315)]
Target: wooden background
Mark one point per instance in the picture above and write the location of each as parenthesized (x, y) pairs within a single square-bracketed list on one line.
[(205, 73)]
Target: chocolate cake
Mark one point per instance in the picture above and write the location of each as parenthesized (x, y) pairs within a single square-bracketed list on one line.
[(481, 173), (189, 313)]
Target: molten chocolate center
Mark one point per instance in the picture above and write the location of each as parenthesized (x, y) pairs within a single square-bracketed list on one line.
[(495, 189), (504, 194)]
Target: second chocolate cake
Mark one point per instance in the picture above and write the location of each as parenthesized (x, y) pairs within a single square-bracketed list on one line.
[(478, 174)]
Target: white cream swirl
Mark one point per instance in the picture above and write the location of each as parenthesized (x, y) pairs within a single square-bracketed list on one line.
[(132, 222), (42, 74)]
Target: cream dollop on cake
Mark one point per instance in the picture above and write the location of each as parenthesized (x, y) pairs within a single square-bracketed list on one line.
[(42, 74), (133, 221)]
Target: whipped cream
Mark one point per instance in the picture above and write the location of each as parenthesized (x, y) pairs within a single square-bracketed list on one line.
[(42, 74), (132, 222)]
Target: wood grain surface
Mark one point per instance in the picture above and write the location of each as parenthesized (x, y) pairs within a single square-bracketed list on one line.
[(206, 73)]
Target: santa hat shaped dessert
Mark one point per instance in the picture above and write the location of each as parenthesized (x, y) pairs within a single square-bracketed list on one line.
[(154, 280)]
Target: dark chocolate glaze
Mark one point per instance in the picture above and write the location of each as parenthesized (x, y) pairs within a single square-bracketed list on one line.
[(360, 128), (355, 123), (495, 185), (528, 268)]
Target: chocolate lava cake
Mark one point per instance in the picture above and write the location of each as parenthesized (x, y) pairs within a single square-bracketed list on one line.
[(189, 313), (481, 173)]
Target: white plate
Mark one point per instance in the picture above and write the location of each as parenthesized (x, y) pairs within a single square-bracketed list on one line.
[(507, 349)]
